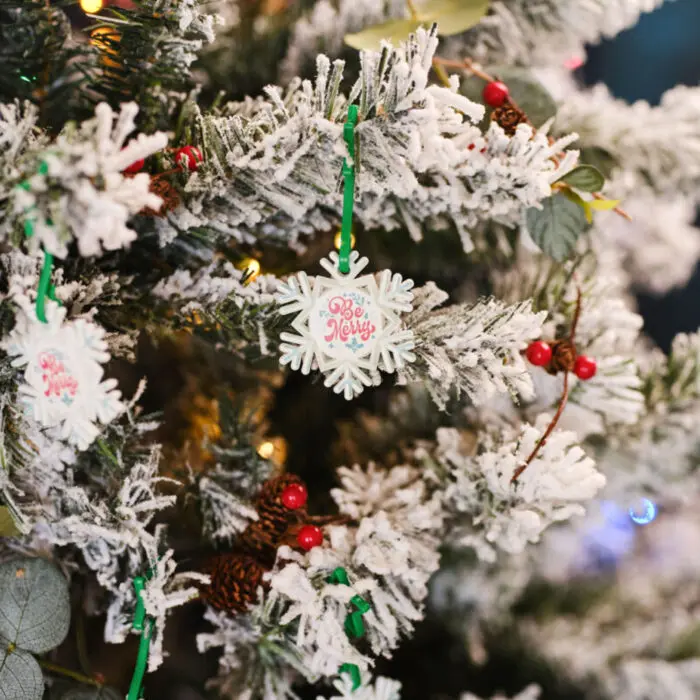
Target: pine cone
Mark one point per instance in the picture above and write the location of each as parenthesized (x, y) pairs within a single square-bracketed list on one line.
[(235, 579), (563, 356), (262, 537), (167, 192), (508, 117)]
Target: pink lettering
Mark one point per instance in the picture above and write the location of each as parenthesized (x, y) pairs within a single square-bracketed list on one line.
[(56, 380), (345, 322)]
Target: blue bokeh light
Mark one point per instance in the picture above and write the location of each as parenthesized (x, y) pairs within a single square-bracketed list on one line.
[(645, 513)]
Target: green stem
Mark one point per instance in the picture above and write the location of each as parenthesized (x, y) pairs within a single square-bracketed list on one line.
[(75, 675)]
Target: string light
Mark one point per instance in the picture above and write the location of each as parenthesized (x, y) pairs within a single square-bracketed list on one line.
[(266, 450), (336, 240), (251, 269), (646, 512), (91, 6)]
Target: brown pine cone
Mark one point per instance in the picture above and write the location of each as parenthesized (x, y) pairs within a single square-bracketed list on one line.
[(235, 578), (262, 537), (508, 117), (167, 192), (563, 356)]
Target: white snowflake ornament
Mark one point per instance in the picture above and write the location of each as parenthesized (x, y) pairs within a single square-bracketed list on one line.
[(348, 327), (63, 384)]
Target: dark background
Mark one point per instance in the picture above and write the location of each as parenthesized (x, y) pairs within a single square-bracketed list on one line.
[(661, 51)]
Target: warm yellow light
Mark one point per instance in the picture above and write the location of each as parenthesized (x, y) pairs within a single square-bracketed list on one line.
[(266, 450), (251, 269), (336, 240), (91, 6)]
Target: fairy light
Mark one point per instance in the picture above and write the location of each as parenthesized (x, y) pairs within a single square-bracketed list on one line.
[(91, 6), (251, 268), (336, 240), (266, 450)]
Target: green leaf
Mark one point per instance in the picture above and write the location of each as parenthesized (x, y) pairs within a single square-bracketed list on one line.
[(601, 159), (8, 528), (578, 199), (20, 676), (34, 605), (557, 226), (394, 31), (451, 16), (585, 177), (454, 16), (527, 92), (93, 694)]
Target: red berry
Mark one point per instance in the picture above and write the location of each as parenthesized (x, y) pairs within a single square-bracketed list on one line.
[(294, 496), (496, 94), (135, 167), (539, 353), (309, 537), (585, 367), (189, 156)]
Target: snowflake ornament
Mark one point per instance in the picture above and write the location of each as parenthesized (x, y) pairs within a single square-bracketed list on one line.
[(347, 326), (63, 371)]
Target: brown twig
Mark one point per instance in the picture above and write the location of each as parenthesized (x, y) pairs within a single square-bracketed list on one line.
[(553, 424), (617, 210), (564, 396)]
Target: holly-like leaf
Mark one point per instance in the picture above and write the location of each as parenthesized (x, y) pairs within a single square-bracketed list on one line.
[(92, 694), (20, 675), (34, 605), (557, 226), (451, 16), (8, 527), (585, 177)]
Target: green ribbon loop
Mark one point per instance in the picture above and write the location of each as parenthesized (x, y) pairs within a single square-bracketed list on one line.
[(46, 289), (145, 625), (354, 672), (348, 191), (354, 624)]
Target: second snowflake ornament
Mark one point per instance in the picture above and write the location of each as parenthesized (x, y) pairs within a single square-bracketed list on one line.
[(347, 326)]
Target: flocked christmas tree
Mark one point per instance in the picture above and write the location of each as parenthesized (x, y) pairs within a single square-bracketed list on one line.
[(320, 367)]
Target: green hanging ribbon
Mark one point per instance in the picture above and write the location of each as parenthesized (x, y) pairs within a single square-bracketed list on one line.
[(348, 191), (354, 624), (144, 625), (45, 289)]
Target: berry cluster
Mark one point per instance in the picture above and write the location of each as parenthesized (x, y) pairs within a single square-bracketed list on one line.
[(189, 157), (540, 354), (282, 519)]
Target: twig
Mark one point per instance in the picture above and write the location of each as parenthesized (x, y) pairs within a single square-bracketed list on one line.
[(412, 9), (617, 210), (75, 675), (553, 424)]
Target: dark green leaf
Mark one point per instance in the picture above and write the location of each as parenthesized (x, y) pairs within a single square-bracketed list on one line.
[(527, 92), (556, 227), (34, 605), (600, 158), (20, 675), (585, 177), (8, 528)]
